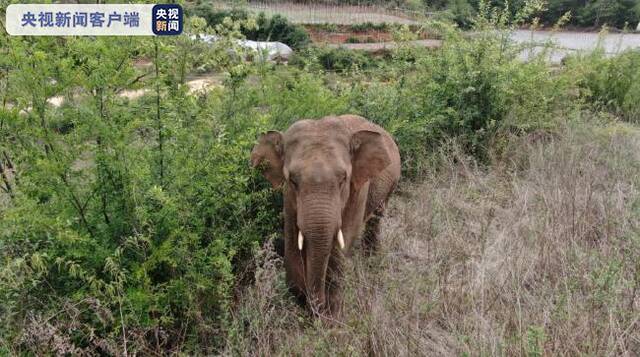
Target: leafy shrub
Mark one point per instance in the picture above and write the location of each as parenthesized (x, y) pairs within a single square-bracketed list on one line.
[(369, 26), (276, 28), (584, 13), (325, 27), (475, 89), (333, 59), (133, 223), (615, 13), (215, 16), (352, 39), (610, 83), (459, 11)]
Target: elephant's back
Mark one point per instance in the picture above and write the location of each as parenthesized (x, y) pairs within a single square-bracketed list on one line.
[(356, 123)]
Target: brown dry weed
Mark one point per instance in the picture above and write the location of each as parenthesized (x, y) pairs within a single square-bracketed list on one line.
[(537, 254)]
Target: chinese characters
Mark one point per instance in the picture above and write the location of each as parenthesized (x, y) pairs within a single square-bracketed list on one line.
[(80, 19), (167, 19)]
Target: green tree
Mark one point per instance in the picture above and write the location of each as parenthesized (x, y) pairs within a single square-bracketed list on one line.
[(616, 13)]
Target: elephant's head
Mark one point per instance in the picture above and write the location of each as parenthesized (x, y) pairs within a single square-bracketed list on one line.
[(319, 165)]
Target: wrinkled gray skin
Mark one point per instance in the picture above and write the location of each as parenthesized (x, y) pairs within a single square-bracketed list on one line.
[(337, 173)]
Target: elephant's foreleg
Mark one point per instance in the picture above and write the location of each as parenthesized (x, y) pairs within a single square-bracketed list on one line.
[(335, 273), (293, 260), (371, 235)]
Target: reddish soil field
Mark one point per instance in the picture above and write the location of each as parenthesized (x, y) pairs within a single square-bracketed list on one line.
[(344, 33), (342, 37)]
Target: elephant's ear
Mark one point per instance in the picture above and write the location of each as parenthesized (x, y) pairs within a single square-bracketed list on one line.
[(267, 155), (369, 156)]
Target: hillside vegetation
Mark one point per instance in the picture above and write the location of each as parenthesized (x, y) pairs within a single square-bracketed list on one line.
[(591, 14), (580, 13), (535, 254), (136, 226)]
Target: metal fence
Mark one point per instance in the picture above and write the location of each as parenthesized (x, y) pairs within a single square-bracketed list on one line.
[(317, 12)]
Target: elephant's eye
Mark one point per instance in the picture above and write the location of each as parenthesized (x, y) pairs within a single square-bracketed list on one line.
[(343, 179), (293, 183)]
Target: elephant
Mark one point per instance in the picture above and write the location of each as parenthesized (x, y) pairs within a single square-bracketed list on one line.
[(337, 174)]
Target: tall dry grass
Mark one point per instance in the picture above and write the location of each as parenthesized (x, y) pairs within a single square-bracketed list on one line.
[(538, 254)]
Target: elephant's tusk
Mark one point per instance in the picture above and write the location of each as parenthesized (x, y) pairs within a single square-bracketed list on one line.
[(340, 239), (300, 240)]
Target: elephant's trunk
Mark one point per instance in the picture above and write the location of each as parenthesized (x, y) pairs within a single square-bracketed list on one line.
[(319, 222)]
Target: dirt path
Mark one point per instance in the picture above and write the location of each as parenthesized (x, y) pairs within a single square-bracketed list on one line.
[(570, 42), (196, 84)]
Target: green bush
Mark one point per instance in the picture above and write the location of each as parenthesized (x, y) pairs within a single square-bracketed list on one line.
[(615, 13), (133, 223), (475, 89), (333, 59), (352, 39), (459, 11), (215, 16), (369, 26), (276, 28), (610, 83), (584, 13)]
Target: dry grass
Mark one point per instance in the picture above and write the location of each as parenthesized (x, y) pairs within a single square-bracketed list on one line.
[(537, 255)]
